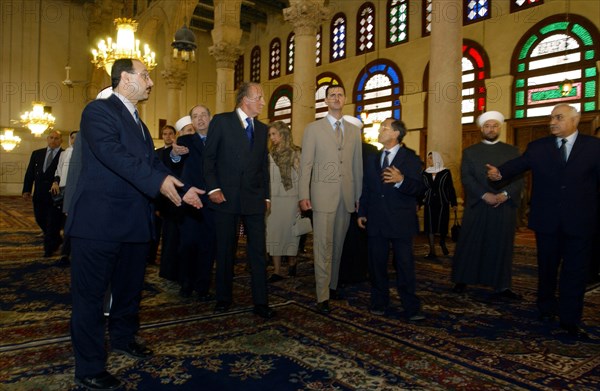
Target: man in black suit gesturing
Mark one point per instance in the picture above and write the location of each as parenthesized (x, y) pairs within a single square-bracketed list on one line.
[(40, 172), (236, 171), (566, 176)]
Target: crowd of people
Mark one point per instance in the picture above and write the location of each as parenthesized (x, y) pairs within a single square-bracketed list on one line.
[(217, 172)]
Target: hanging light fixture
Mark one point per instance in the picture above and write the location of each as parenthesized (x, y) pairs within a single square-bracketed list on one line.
[(184, 45), (8, 140), (38, 119), (126, 46)]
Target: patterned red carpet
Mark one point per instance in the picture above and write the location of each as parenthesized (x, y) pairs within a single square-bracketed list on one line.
[(468, 342)]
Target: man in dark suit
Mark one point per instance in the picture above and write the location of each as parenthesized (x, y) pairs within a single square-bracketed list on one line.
[(564, 202), (110, 223), (197, 240), (40, 172), (388, 210), (236, 170)]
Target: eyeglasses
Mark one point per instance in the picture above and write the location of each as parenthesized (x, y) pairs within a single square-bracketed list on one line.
[(144, 75)]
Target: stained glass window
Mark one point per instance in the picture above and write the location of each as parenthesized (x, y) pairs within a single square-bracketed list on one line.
[(427, 17), (475, 69), (476, 10), (319, 46), (238, 75), (324, 80), (291, 50), (280, 105), (365, 29), (518, 5), (338, 38), (397, 14), (255, 64), (551, 52), (275, 58)]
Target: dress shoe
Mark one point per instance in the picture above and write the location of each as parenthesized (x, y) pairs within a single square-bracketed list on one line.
[(335, 294), (103, 381), (323, 307), (508, 294), (63, 261), (416, 317), (222, 306), (459, 288), (135, 350), (186, 294), (546, 317), (263, 311), (574, 331), (275, 278), (205, 297), (375, 310), (444, 248), (431, 255), (292, 270)]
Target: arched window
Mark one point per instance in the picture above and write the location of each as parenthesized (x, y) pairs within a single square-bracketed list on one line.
[(427, 17), (255, 64), (275, 58), (338, 38), (476, 10), (238, 73), (518, 5), (377, 92), (475, 69), (319, 46), (280, 105), (397, 22), (324, 80), (365, 29), (556, 49), (291, 50)]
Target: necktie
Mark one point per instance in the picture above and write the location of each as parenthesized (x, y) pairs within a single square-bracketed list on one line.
[(49, 158), (386, 163), (563, 150), (139, 122), (339, 138), (250, 131)]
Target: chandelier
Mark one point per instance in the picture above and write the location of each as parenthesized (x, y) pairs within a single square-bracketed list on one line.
[(37, 120), (184, 45), (8, 140), (126, 46)]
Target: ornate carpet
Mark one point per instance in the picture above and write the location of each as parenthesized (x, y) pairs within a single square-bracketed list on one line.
[(468, 342)]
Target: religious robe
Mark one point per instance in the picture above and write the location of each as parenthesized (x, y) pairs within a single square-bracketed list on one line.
[(485, 248)]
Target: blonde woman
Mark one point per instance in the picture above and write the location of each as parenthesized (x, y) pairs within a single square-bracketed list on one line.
[(284, 162)]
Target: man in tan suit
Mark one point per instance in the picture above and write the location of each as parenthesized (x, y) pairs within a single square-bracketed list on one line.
[(332, 157)]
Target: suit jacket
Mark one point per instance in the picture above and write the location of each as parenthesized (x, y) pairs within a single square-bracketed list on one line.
[(240, 171), (323, 166), (562, 195), (119, 176), (35, 174), (192, 170), (392, 212)]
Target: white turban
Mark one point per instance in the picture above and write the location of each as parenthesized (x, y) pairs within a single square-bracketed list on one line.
[(105, 93), (490, 115), (354, 121), (182, 122)]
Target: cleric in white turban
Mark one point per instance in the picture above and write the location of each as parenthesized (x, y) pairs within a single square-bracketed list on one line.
[(184, 125), (490, 115)]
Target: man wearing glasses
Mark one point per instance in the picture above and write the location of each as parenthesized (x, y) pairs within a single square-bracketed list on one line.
[(110, 223), (564, 201)]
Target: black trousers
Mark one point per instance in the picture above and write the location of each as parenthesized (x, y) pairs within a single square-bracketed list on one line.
[(197, 249), (50, 219), (95, 265)]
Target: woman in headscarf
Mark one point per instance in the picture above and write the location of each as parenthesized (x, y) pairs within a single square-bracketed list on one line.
[(284, 160), (439, 197)]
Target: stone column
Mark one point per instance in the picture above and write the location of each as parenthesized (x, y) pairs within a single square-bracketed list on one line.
[(444, 128), (175, 76), (226, 50), (306, 16), (497, 89)]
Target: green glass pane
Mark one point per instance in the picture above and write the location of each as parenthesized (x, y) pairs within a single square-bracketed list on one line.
[(520, 83), (589, 55), (520, 98), (520, 67), (527, 46), (548, 94), (554, 27), (590, 72), (519, 113), (589, 106), (582, 33), (590, 89)]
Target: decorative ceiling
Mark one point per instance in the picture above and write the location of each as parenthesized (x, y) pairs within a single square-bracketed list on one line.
[(253, 11)]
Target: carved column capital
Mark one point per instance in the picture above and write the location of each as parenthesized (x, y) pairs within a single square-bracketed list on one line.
[(225, 53), (175, 76), (306, 15)]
